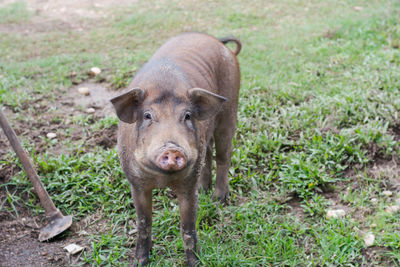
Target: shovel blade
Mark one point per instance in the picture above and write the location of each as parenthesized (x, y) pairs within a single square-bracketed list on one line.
[(55, 227)]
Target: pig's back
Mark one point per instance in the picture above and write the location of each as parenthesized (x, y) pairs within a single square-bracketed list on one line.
[(201, 57)]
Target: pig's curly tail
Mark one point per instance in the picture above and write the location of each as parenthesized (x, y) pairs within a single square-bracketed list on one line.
[(225, 40)]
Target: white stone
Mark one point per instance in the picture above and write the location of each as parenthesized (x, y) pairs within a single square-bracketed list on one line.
[(369, 239), (335, 213), (373, 225), (84, 90), (387, 193), (73, 248), (131, 232), (51, 135), (358, 8), (95, 71), (82, 232), (392, 209), (90, 110), (374, 200)]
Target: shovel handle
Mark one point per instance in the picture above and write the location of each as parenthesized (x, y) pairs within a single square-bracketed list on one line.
[(45, 200)]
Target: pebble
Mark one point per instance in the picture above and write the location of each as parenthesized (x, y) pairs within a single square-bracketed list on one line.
[(374, 200), (392, 209), (373, 225), (369, 239), (84, 90), (95, 71), (387, 193), (335, 213), (131, 232), (51, 135), (73, 248), (90, 110), (82, 232), (358, 8)]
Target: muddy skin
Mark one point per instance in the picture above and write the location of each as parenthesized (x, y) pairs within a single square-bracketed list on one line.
[(181, 103)]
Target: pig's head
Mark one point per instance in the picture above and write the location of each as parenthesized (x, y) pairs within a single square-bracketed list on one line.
[(167, 128)]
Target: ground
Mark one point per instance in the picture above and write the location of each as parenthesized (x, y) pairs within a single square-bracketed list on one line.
[(318, 130)]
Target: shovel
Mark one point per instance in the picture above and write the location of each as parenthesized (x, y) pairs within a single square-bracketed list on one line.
[(57, 223)]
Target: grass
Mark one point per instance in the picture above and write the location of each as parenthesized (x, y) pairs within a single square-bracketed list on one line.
[(319, 108)]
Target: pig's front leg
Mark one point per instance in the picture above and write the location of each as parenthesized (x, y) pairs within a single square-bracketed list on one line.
[(143, 205), (188, 212)]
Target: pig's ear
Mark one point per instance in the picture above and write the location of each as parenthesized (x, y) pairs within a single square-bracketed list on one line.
[(128, 104), (206, 104)]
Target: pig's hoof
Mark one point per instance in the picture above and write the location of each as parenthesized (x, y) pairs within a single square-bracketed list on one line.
[(192, 259), (204, 189), (221, 197), (141, 262)]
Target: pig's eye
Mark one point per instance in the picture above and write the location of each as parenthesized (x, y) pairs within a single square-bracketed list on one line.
[(188, 117), (147, 116)]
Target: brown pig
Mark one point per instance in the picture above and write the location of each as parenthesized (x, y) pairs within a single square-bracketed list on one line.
[(181, 103)]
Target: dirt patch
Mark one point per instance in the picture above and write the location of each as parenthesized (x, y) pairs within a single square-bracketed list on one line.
[(395, 131), (296, 208), (76, 15), (67, 117), (99, 98), (375, 256), (19, 243), (105, 138), (388, 172)]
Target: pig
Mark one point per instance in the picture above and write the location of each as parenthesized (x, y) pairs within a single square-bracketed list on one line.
[(180, 104)]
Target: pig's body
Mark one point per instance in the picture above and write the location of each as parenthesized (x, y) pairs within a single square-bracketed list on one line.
[(168, 124)]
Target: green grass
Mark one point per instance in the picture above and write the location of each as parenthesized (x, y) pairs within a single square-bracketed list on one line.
[(319, 107)]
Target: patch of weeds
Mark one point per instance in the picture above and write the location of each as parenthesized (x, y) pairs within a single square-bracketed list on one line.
[(103, 123), (338, 243), (315, 206)]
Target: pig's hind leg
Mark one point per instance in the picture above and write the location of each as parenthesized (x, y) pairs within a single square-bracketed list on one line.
[(223, 136), (206, 172)]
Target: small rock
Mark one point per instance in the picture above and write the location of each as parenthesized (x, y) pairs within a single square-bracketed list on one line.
[(131, 232), (387, 193), (392, 209), (90, 110), (95, 71), (51, 135), (73, 248), (374, 200), (358, 8), (84, 90), (335, 213), (373, 225), (82, 232), (369, 239)]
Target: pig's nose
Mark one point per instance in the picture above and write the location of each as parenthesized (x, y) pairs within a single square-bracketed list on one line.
[(171, 160)]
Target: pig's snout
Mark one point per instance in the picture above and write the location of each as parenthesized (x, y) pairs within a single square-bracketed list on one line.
[(171, 160)]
